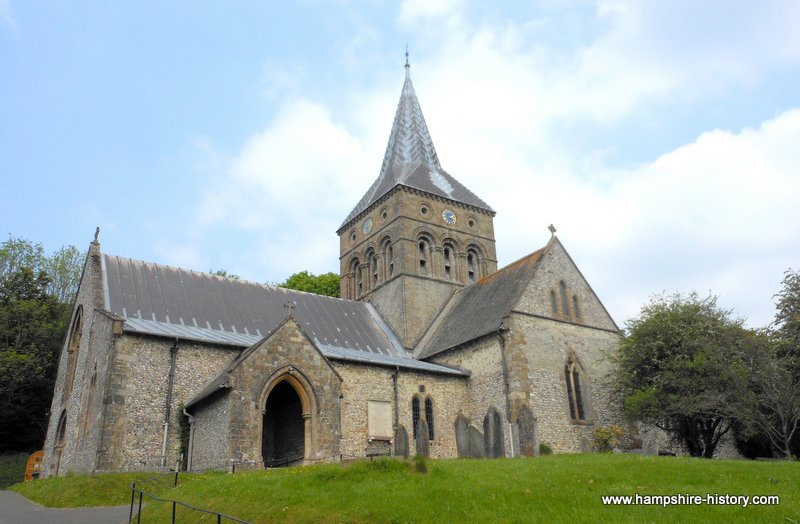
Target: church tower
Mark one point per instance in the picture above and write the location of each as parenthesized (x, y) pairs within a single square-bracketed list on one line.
[(417, 234)]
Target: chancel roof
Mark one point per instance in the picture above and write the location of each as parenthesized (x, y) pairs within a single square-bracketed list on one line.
[(411, 160), (171, 302), (479, 309)]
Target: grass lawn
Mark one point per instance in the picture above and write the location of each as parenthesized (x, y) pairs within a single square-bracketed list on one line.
[(12, 468), (560, 488)]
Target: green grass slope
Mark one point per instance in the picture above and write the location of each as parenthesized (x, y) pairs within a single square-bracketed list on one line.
[(562, 488)]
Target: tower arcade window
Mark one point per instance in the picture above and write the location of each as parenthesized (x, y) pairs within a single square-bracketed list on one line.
[(472, 265), (372, 262), (448, 263), (423, 256), (388, 258), (358, 285)]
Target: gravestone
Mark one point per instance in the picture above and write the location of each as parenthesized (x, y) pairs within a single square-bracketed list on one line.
[(401, 442), (462, 436), (493, 434), (526, 431), (422, 438), (475, 442)]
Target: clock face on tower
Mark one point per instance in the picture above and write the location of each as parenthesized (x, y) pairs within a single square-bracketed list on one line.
[(367, 226), (449, 216)]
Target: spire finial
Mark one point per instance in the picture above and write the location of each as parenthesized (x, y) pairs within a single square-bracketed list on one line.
[(408, 66)]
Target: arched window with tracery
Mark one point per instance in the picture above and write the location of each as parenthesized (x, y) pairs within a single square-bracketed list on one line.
[(575, 394)]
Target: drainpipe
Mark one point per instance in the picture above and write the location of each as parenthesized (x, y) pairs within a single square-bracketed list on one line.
[(173, 352), (191, 440), (396, 404), (505, 382)]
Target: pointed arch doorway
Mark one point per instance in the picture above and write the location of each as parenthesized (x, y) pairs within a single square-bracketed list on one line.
[(286, 424)]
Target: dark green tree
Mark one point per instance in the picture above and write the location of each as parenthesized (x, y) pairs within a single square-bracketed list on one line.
[(32, 328), (677, 369), (325, 284)]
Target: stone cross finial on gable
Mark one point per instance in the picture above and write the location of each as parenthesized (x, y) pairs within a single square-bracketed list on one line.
[(552, 229), (96, 236), (290, 305)]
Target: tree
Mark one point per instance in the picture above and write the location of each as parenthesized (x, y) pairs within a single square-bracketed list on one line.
[(223, 273), (325, 284), (63, 267), (772, 407), (32, 327), (787, 318), (677, 369), (768, 399)]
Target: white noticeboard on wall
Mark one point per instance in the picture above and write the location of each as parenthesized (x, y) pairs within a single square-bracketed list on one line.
[(379, 419)]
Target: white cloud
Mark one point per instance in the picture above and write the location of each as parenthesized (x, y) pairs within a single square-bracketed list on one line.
[(717, 214)]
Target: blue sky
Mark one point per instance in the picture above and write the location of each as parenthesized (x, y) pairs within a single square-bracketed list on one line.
[(661, 138)]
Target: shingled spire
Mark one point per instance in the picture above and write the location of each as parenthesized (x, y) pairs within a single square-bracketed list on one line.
[(411, 159)]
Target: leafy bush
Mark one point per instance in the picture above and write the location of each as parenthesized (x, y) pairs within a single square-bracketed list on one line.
[(545, 449), (606, 437)]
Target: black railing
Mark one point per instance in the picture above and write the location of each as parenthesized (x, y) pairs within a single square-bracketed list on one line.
[(175, 504)]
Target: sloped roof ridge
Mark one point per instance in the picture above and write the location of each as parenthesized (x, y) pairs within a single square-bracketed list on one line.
[(479, 309), (234, 280)]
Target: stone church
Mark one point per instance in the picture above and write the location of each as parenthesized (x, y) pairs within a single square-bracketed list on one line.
[(430, 350)]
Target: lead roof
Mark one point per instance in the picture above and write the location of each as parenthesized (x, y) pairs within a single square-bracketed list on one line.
[(410, 160)]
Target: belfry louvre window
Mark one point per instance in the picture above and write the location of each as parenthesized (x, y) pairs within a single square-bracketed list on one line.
[(572, 378)]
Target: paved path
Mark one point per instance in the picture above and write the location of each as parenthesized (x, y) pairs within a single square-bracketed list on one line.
[(16, 509)]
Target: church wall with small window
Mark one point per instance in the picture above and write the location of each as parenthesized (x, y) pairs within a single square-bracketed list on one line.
[(561, 369), (440, 402)]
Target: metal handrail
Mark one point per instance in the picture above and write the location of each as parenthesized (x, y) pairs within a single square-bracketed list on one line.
[(175, 504)]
